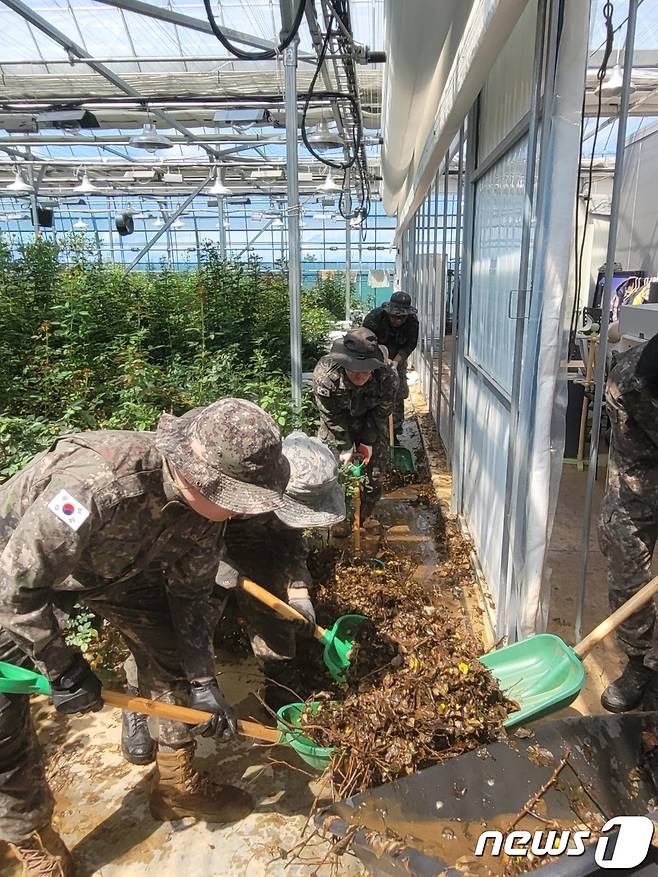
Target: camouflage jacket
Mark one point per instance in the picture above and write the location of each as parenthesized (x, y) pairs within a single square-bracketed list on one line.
[(350, 414), (402, 340), (94, 510), (633, 463), (265, 550)]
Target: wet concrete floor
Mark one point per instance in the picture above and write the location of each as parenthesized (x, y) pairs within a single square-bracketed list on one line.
[(102, 802)]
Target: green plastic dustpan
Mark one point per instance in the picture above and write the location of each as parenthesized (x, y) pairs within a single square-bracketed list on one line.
[(402, 459), (543, 674), (338, 642), (18, 680), (318, 757)]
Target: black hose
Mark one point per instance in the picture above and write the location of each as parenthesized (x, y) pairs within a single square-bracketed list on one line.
[(267, 54)]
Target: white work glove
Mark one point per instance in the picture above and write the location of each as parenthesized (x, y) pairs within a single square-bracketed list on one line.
[(346, 456), (227, 576), (301, 601)]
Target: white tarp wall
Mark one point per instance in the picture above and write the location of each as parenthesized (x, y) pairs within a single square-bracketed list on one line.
[(507, 414), (489, 343)]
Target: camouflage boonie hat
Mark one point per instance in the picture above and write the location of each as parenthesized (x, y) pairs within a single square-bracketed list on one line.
[(399, 305), (358, 351), (230, 451), (313, 497)]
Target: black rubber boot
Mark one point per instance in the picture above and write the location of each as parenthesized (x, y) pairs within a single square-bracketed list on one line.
[(282, 684), (626, 693), (137, 745)]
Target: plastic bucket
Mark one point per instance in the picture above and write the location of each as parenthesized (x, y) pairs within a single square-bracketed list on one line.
[(318, 757)]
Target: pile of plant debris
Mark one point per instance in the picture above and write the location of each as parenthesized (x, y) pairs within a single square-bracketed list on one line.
[(416, 692)]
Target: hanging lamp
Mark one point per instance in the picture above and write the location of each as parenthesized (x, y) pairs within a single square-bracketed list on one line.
[(150, 139)]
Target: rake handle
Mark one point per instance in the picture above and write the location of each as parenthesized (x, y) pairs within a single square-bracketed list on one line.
[(612, 622), (391, 432), (281, 608), (185, 714)]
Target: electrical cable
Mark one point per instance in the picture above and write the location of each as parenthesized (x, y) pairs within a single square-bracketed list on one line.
[(608, 12), (336, 165), (267, 54), (356, 156)]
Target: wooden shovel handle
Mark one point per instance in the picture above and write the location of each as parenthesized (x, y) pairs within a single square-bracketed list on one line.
[(391, 433), (612, 622), (182, 714), (281, 608), (357, 520)]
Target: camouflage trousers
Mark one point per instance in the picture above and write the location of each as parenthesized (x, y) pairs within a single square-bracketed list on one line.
[(371, 489), (26, 802), (140, 612), (271, 638), (628, 529), (400, 396)]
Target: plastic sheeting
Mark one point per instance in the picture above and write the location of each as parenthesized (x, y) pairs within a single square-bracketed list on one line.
[(543, 389), (485, 461)]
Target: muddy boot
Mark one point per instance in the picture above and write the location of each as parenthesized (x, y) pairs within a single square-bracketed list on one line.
[(137, 745), (626, 693), (179, 791), (44, 854), (282, 684)]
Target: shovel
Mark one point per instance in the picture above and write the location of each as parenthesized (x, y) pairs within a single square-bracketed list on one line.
[(543, 674), (19, 680), (338, 642), (401, 458)]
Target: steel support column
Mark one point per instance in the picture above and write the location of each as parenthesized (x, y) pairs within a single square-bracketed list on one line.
[(461, 370), (294, 242), (456, 288), (444, 287), (222, 230), (514, 461), (435, 253), (599, 378), (348, 254)]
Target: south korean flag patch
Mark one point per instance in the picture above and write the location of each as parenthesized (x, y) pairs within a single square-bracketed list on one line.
[(69, 510)]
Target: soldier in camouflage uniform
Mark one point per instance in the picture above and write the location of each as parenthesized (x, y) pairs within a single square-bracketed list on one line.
[(130, 523), (396, 326), (628, 525), (354, 389), (270, 550)]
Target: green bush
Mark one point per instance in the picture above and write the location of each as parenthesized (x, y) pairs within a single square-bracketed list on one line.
[(83, 345)]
